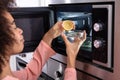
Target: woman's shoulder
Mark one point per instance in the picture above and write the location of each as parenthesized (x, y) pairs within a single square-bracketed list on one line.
[(10, 78)]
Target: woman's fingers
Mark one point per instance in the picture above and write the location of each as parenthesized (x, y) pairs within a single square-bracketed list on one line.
[(84, 36), (65, 38)]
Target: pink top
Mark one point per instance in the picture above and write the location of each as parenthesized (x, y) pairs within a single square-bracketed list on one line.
[(34, 68)]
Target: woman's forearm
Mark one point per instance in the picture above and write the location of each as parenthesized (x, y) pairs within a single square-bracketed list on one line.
[(47, 39), (71, 62)]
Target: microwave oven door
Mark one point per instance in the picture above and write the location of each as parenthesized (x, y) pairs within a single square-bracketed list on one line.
[(82, 17)]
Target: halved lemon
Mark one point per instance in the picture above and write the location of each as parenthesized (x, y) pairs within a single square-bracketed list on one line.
[(68, 25)]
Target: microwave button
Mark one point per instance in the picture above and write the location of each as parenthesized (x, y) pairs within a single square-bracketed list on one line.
[(98, 27), (98, 43)]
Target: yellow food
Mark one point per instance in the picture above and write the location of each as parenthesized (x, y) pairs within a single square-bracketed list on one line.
[(68, 25)]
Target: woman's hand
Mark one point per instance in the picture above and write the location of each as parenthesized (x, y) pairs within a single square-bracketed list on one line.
[(72, 48), (54, 32)]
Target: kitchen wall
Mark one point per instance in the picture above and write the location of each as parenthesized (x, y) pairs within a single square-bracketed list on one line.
[(29, 3)]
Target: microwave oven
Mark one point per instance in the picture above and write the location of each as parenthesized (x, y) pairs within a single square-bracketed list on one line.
[(98, 21), (97, 18)]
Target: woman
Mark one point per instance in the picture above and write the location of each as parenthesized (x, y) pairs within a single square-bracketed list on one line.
[(12, 42)]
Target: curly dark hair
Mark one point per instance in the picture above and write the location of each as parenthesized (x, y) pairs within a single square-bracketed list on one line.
[(6, 38), (7, 3)]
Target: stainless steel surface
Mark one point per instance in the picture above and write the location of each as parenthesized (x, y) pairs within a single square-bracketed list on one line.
[(55, 69), (47, 2)]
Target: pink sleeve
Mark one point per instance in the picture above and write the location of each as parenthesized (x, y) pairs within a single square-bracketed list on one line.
[(70, 74), (34, 67)]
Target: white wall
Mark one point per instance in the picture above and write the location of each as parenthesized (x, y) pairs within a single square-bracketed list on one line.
[(28, 3)]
